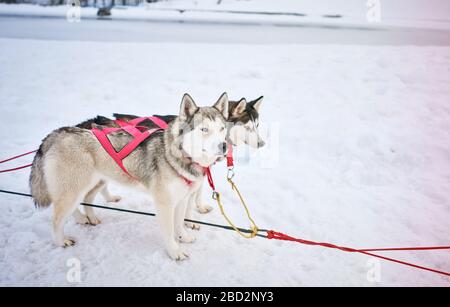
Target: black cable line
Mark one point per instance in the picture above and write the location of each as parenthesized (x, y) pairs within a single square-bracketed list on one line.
[(149, 214)]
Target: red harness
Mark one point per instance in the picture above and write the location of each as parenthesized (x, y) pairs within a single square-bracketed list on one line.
[(139, 134)]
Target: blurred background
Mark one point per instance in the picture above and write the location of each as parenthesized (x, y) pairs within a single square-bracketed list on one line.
[(417, 22)]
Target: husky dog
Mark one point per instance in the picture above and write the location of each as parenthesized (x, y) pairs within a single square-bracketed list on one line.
[(71, 166), (243, 122)]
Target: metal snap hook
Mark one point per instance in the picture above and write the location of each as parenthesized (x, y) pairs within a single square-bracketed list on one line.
[(230, 173), (215, 195)]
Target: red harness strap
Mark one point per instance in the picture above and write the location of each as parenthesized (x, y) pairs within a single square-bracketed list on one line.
[(188, 182), (230, 162), (210, 179), (139, 134)]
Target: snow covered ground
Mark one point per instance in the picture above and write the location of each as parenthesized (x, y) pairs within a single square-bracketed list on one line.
[(358, 156)]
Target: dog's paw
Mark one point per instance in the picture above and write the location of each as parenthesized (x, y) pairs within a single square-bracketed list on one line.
[(204, 208), (81, 219), (178, 254), (191, 225), (93, 220), (186, 238), (114, 199), (66, 242)]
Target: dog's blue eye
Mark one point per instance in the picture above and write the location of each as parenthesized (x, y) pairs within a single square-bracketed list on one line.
[(204, 129)]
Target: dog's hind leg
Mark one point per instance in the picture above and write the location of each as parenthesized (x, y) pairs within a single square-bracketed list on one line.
[(69, 177), (89, 217), (88, 199), (80, 218), (108, 197), (64, 206)]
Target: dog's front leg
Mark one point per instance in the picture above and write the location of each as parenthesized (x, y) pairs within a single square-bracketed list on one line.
[(166, 218), (189, 210), (180, 213), (202, 208)]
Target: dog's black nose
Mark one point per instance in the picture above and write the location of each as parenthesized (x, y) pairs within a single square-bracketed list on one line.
[(261, 144), (223, 147)]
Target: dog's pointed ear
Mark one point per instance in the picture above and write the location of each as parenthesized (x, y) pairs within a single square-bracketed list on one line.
[(222, 105), (239, 108), (188, 107), (256, 104)]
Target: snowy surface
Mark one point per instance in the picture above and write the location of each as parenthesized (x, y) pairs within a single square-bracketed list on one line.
[(432, 14), (358, 156)]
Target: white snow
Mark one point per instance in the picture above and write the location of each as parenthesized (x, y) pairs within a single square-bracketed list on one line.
[(359, 156)]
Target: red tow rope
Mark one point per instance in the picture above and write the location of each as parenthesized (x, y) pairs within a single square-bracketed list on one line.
[(281, 236), (14, 158)]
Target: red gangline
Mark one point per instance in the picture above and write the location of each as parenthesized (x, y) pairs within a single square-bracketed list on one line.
[(281, 236), (422, 248)]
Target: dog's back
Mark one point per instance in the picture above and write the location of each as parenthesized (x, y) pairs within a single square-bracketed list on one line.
[(98, 120), (148, 123), (107, 122)]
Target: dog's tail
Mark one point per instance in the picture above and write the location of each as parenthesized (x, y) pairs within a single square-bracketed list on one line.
[(38, 186)]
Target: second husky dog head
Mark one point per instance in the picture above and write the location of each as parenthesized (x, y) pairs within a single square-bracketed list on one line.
[(201, 132), (244, 123)]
